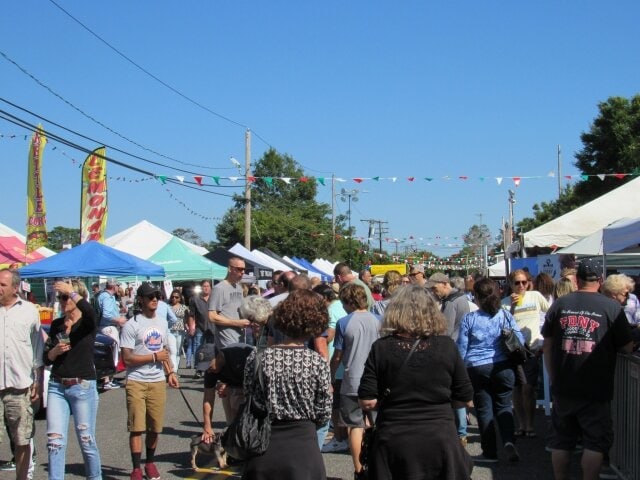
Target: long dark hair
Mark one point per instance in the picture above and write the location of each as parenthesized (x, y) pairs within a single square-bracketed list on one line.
[(487, 295)]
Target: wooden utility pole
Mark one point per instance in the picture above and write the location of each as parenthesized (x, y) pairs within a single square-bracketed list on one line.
[(247, 189), (559, 171)]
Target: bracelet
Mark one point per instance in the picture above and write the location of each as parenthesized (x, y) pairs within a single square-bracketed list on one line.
[(74, 295)]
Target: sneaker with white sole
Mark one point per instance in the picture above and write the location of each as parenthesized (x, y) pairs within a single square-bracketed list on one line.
[(512, 452), (111, 386), (335, 446)]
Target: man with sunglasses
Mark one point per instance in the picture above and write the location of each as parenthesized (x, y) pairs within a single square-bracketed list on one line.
[(224, 313), (144, 343)]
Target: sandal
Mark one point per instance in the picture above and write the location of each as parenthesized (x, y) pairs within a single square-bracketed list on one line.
[(519, 433)]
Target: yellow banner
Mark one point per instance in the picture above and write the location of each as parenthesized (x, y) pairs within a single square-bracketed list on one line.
[(93, 208), (36, 211), (401, 268)]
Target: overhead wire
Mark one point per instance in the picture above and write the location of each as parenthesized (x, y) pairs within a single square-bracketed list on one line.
[(44, 119), (51, 135), (157, 79)]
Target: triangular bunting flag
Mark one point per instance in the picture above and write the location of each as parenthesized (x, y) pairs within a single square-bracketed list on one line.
[(180, 178), (620, 176), (162, 178), (584, 177), (516, 180), (251, 179), (338, 179), (463, 177), (320, 180), (551, 174), (268, 180), (601, 176), (499, 180), (376, 179), (198, 179), (233, 179), (304, 179), (393, 179), (411, 179), (286, 180), (568, 177), (429, 179), (216, 179), (357, 180), (481, 179)]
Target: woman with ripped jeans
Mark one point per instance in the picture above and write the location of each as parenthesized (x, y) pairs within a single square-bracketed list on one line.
[(72, 387)]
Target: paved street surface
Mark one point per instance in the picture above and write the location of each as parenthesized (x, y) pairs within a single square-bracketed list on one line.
[(173, 458)]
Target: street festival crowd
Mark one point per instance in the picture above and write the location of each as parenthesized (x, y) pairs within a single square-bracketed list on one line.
[(410, 355)]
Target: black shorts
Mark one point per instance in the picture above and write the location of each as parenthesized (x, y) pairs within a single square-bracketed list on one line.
[(350, 411), (337, 384), (571, 418), (210, 379), (527, 373)]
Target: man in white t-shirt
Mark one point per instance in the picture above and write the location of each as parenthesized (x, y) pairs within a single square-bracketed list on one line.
[(144, 341)]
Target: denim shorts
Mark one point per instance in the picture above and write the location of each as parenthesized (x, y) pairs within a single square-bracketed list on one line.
[(17, 413)]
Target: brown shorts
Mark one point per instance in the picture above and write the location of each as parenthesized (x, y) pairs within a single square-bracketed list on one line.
[(17, 412), (145, 406)]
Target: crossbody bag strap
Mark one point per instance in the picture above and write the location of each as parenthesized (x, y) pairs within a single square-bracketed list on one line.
[(387, 390)]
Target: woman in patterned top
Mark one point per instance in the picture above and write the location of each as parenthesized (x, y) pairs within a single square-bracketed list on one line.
[(296, 387), (178, 328)]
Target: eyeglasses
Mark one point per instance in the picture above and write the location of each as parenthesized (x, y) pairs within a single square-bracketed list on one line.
[(238, 269), (520, 282), (175, 296), (63, 297), (152, 296)]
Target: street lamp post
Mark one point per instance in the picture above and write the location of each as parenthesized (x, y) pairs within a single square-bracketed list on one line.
[(348, 195)]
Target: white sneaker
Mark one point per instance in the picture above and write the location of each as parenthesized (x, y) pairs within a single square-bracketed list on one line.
[(335, 446)]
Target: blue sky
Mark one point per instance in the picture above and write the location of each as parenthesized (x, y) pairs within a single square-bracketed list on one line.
[(356, 89)]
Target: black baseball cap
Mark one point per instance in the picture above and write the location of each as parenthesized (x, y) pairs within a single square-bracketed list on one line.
[(590, 269), (147, 288)]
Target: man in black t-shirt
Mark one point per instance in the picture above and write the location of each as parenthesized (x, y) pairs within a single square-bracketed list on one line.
[(583, 332)]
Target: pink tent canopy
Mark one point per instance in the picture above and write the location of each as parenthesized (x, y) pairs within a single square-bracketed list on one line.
[(12, 251)]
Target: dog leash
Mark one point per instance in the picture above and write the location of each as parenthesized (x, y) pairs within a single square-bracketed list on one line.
[(189, 407)]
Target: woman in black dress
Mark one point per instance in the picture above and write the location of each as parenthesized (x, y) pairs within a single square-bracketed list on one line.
[(417, 437), (296, 387)]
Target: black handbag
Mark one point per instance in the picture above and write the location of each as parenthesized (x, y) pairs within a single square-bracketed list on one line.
[(370, 434), (517, 353), (249, 433)]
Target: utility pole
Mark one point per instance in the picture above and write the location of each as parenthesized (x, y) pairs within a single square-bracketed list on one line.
[(381, 230), (559, 171), (247, 189), (333, 210)]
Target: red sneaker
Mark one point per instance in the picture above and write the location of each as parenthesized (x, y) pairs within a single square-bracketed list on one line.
[(151, 471), (136, 474)]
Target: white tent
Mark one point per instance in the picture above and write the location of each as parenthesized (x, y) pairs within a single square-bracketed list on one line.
[(324, 266), (498, 269), (621, 236), (622, 202), (145, 240)]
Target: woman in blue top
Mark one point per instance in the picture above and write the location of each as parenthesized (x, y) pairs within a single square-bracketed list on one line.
[(491, 373)]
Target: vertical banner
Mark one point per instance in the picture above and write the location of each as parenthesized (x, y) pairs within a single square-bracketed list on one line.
[(36, 211), (93, 207)]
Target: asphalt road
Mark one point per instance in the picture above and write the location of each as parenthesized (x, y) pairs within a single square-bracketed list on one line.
[(173, 457)]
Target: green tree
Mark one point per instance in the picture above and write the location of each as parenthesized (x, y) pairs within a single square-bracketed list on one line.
[(59, 236), (610, 147), (189, 235), (285, 216), (475, 240)]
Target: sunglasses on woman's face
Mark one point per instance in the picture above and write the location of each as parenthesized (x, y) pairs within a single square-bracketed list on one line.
[(153, 296), (520, 282), (63, 297)]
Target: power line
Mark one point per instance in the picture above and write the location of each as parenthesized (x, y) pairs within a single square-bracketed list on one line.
[(157, 79), (44, 119), (96, 121), (50, 135)]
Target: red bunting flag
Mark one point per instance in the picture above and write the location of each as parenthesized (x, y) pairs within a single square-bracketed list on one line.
[(358, 180), (198, 179)]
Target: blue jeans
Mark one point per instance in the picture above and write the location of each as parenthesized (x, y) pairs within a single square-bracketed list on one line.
[(321, 433), (175, 355), (81, 400), (194, 343), (461, 421), (493, 386)]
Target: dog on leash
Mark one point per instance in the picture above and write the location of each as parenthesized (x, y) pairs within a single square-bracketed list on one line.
[(209, 449)]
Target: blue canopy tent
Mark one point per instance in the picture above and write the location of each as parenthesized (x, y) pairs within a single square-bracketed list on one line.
[(301, 261), (91, 259)]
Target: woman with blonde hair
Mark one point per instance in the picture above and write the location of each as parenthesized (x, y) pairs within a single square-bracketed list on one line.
[(564, 286), (417, 435), (72, 385), (391, 282)]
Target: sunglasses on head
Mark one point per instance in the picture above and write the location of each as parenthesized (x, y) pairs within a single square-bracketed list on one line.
[(152, 296)]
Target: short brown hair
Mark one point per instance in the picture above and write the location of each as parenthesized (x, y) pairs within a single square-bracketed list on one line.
[(354, 295), (412, 311), (303, 314)]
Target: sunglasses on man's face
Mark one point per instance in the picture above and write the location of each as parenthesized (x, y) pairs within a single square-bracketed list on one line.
[(238, 269), (152, 296)]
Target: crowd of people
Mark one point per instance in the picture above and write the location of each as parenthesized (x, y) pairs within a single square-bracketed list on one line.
[(412, 358)]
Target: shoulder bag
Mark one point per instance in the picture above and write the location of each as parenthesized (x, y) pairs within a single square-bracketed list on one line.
[(517, 353), (370, 434), (249, 433)]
